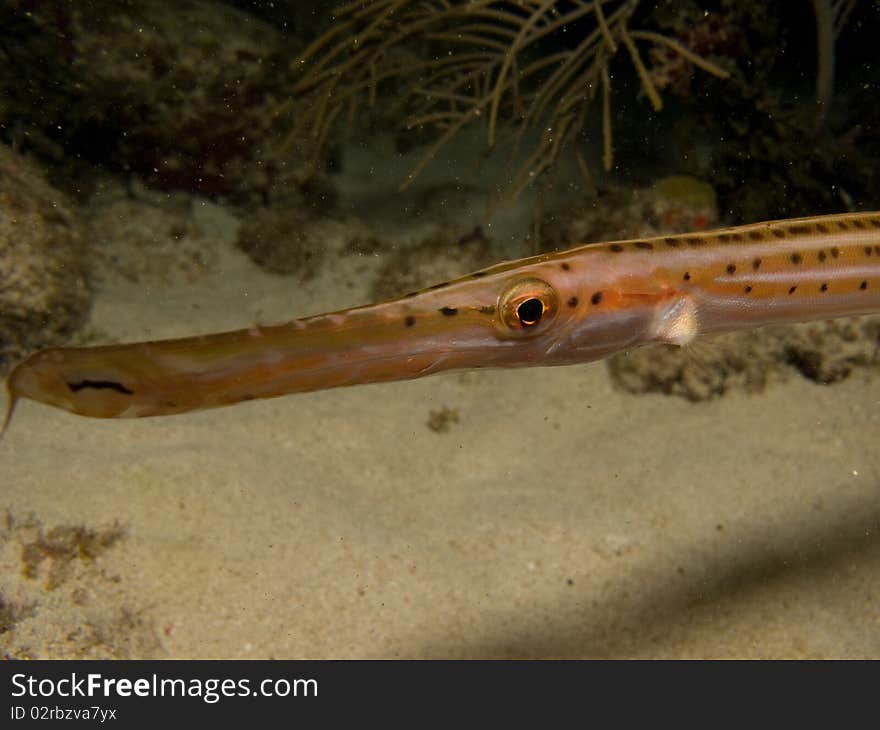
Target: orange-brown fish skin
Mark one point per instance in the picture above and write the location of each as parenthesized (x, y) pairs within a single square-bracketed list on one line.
[(572, 306)]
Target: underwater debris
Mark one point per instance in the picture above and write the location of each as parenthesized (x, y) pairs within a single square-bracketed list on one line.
[(61, 546), (441, 421), (66, 601)]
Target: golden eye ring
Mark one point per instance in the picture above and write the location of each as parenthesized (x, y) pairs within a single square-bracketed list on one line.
[(528, 306)]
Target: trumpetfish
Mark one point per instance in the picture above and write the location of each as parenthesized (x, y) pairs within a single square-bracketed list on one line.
[(553, 309)]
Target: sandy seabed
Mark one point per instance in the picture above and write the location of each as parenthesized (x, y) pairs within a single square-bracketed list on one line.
[(556, 517)]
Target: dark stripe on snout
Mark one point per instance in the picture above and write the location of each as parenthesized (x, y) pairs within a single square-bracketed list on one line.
[(100, 385)]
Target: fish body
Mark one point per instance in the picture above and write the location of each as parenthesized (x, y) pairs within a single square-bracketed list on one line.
[(560, 308)]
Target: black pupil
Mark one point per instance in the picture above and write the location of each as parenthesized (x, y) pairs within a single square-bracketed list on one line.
[(530, 311)]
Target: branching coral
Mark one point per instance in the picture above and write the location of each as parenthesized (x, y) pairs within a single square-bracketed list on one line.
[(831, 17), (530, 67)]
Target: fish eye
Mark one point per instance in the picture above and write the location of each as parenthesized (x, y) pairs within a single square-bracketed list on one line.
[(527, 305), (530, 312)]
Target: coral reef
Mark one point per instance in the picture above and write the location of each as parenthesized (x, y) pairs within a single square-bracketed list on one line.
[(511, 67), (200, 96), (43, 291), (825, 352), (439, 257), (287, 235), (283, 240), (673, 204), (183, 92), (831, 17), (770, 150), (42, 112), (146, 237)]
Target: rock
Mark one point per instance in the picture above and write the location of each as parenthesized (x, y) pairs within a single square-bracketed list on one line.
[(283, 240), (147, 237), (440, 257), (190, 90), (826, 352), (43, 292), (673, 204)]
